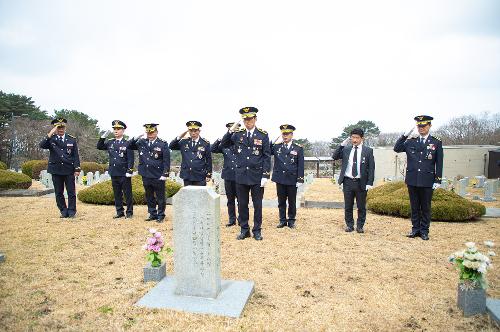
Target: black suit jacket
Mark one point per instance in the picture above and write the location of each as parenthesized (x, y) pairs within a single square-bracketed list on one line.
[(367, 167)]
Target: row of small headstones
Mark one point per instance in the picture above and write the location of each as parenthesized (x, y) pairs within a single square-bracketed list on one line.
[(489, 187), (221, 189), (90, 177)]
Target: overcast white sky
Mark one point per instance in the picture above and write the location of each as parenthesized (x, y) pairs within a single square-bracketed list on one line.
[(319, 65)]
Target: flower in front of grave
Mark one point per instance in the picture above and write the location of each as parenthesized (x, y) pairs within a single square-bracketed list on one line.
[(155, 245), (472, 265)]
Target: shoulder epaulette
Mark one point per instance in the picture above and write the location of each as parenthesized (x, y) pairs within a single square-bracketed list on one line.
[(71, 136), (299, 145), (205, 140), (262, 131), (160, 140), (438, 138)]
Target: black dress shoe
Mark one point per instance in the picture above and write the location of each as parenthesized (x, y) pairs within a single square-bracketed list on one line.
[(160, 220), (150, 218), (257, 236), (360, 230), (413, 235), (291, 225), (129, 216), (243, 235), (63, 216), (424, 237), (281, 224), (349, 229), (229, 224), (119, 216), (72, 216)]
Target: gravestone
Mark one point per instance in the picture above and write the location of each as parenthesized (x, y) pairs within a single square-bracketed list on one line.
[(197, 285), (495, 185), (336, 178), (90, 178), (219, 183), (50, 184), (444, 184), (171, 175), (80, 177), (488, 192), (467, 182), (97, 177), (462, 186), (480, 181)]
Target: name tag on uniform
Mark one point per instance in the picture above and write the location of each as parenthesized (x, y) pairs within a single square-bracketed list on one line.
[(201, 148), (69, 145), (123, 148), (257, 141), (157, 149), (293, 152)]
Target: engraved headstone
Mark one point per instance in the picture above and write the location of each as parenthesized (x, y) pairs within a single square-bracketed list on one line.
[(480, 181), (488, 192), (80, 177), (90, 178), (197, 242), (462, 186), (467, 182), (197, 286), (444, 184), (97, 176)]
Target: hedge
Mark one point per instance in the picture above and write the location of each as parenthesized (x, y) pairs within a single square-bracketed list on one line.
[(90, 166), (102, 193), (32, 168), (393, 199), (3, 165), (14, 180)]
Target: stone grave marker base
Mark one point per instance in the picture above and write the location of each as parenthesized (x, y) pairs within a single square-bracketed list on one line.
[(230, 301)]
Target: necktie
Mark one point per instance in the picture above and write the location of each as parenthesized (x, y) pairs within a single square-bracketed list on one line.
[(149, 145), (355, 163)]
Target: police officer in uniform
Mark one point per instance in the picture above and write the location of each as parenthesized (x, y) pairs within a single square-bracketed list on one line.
[(424, 170), (121, 164), (228, 176), (196, 167), (253, 165), (288, 174), (154, 166), (64, 165)]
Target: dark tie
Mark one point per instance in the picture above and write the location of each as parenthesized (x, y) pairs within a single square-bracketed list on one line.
[(355, 163), (422, 140)]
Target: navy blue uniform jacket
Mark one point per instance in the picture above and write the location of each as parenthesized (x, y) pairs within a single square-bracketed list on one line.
[(121, 157), (154, 160), (288, 164), (63, 157)]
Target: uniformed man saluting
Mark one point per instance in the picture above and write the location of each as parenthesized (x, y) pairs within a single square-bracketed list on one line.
[(424, 169), (288, 173), (121, 164), (253, 165), (64, 165), (228, 175), (196, 167), (154, 166)]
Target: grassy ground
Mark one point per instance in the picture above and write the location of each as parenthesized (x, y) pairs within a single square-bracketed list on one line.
[(86, 274)]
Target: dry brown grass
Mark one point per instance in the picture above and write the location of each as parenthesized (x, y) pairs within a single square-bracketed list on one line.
[(324, 190), (58, 274)]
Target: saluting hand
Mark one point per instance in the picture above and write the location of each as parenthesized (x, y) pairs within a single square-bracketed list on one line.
[(234, 126), (346, 141), (52, 131), (410, 132)]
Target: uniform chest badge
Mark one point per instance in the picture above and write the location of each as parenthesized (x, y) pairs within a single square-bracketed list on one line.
[(140, 153), (256, 152), (123, 148), (279, 150), (156, 155), (121, 154), (241, 138), (157, 149), (201, 148), (69, 145), (293, 152), (429, 156), (257, 141)]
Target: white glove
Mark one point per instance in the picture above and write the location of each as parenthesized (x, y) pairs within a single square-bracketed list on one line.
[(368, 187), (410, 132), (104, 136), (162, 178), (129, 175), (298, 184), (435, 186), (346, 141), (263, 182)]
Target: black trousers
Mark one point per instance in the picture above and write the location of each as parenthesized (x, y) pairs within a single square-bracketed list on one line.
[(352, 189), (243, 193), (230, 187), (195, 183), (420, 202), (287, 193), (155, 196), (59, 182), (122, 185)]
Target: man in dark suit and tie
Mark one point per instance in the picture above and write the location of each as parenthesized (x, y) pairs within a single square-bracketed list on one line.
[(424, 170), (357, 175)]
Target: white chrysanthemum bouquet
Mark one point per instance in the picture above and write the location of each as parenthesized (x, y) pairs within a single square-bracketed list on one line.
[(473, 265)]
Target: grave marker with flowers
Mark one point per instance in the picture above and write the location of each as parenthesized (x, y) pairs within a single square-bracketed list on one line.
[(155, 270), (472, 266)]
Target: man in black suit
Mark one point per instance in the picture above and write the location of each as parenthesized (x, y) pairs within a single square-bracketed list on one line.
[(424, 170), (357, 175)]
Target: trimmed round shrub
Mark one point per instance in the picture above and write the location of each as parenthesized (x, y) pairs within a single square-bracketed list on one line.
[(32, 168), (393, 199), (102, 193), (3, 165), (90, 166), (14, 180)]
